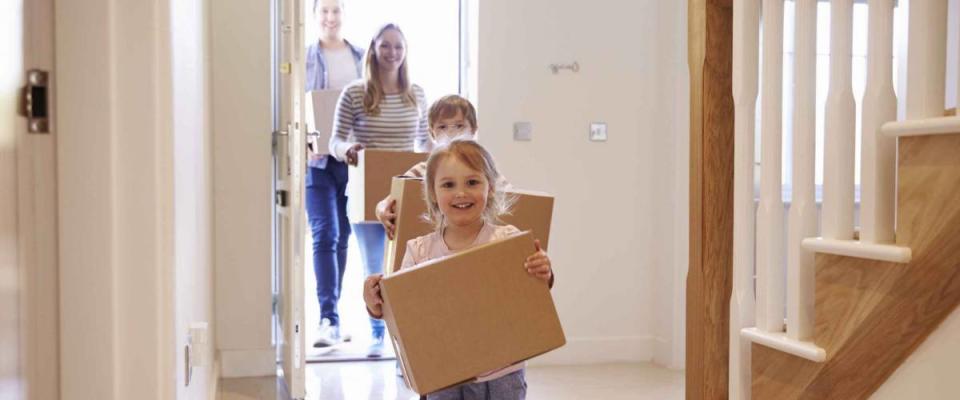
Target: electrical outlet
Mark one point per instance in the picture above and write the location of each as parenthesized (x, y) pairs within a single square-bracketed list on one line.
[(598, 132), (523, 131)]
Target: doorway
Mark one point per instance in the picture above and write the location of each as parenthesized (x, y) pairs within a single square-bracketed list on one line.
[(434, 32)]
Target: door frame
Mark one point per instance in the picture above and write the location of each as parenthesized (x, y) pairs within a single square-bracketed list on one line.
[(37, 234)]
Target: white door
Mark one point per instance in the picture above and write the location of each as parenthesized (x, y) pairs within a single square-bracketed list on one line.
[(289, 154), (28, 238)]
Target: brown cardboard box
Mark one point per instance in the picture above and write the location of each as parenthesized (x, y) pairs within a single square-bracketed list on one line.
[(458, 317), (532, 211), (369, 181)]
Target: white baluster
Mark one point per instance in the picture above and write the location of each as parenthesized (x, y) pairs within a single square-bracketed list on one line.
[(926, 59), (746, 49), (878, 156), (770, 271), (839, 141), (802, 222)]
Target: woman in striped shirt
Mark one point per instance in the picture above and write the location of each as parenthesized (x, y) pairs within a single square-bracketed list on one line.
[(384, 111)]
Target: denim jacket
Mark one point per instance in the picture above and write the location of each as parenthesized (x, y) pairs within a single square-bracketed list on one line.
[(317, 78)]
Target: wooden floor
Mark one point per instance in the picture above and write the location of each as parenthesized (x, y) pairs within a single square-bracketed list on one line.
[(377, 380)]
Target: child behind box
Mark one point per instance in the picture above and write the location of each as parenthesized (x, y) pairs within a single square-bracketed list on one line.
[(465, 206)]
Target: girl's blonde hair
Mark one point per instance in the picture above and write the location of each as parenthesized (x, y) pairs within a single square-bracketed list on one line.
[(477, 158), (373, 92)]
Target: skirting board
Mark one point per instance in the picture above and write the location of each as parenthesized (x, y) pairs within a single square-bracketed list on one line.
[(248, 363), (599, 350)]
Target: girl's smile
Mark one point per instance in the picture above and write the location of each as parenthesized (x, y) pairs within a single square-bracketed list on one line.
[(462, 192)]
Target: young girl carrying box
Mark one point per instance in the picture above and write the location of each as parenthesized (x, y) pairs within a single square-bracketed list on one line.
[(464, 201)]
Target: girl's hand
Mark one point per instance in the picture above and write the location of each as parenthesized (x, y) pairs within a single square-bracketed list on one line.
[(538, 264), (371, 295), (387, 214), (352, 154)]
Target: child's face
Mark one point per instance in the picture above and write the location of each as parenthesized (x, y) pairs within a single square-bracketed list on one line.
[(451, 127), (461, 192)]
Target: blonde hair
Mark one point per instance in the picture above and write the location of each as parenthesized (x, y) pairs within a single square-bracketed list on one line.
[(373, 92), (477, 158), (448, 106)]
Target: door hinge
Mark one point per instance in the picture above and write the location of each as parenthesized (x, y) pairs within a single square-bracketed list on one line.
[(35, 101), (281, 198)]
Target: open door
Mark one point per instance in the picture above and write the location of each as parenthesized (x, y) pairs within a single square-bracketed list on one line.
[(289, 144)]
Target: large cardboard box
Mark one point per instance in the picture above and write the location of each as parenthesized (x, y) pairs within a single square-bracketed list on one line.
[(370, 180), (324, 104), (458, 317), (532, 211)]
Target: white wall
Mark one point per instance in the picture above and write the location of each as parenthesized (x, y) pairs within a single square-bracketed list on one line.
[(241, 122), (618, 238), (115, 200), (135, 220), (929, 373), (192, 191)]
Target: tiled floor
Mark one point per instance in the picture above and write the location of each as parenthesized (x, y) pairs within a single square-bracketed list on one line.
[(376, 380)]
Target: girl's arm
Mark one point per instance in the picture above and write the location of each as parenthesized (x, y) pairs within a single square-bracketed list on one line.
[(371, 287), (343, 119), (538, 265), (371, 296), (387, 214)]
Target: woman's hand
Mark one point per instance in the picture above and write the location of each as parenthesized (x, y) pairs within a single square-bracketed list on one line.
[(387, 214), (353, 154), (538, 264), (371, 295)]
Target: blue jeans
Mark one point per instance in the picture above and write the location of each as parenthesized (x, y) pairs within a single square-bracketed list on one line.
[(326, 203), (508, 387), (371, 238)]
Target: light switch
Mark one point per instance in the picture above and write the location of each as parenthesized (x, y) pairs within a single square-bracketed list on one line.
[(598, 132), (198, 340), (523, 131)]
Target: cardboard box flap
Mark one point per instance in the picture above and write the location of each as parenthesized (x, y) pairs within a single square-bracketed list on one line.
[(461, 316), (369, 182), (532, 211)]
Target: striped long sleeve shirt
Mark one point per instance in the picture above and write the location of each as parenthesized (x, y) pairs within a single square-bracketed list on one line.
[(398, 127)]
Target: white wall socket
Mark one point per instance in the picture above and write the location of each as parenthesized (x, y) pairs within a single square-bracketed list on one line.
[(598, 131), (523, 131)]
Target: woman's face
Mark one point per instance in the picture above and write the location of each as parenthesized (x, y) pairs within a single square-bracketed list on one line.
[(328, 14), (391, 50)]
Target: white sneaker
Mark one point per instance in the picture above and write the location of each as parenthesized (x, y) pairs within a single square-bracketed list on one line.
[(376, 347), (327, 335)]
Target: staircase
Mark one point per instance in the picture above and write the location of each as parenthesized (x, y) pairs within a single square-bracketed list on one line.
[(871, 314), (848, 307)]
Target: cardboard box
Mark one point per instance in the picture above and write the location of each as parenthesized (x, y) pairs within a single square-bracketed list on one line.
[(458, 317), (369, 181), (532, 211)]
